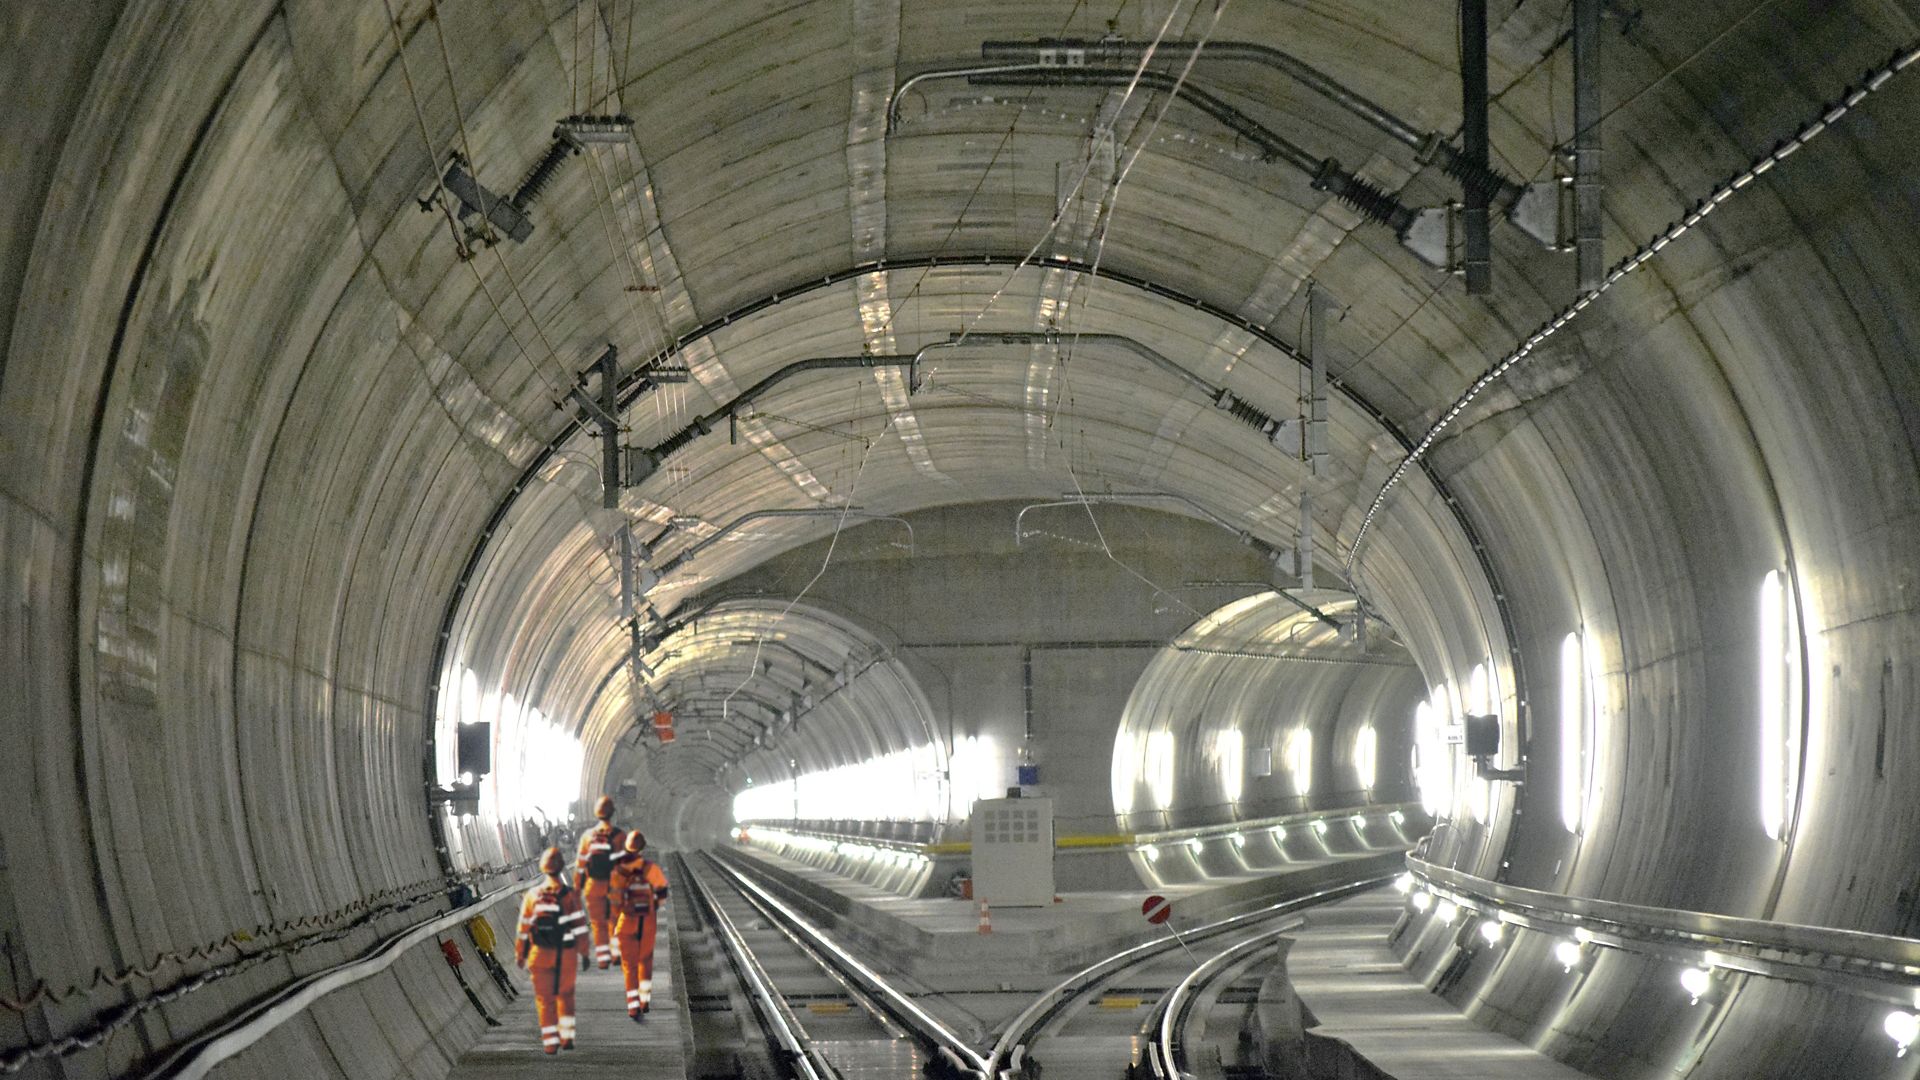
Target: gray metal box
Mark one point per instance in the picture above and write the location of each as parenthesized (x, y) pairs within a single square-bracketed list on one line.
[(1013, 852)]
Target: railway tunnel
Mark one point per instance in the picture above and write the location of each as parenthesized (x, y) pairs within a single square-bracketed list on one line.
[(1426, 494)]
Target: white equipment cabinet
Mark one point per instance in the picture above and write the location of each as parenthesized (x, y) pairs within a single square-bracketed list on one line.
[(1013, 852)]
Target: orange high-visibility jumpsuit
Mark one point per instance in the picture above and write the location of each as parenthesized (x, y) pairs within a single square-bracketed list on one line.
[(599, 849), (552, 929), (639, 888)]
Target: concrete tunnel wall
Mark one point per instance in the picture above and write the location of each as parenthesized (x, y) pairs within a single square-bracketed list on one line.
[(253, 416)]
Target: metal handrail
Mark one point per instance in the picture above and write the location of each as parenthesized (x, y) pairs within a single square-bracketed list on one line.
[(1112, 840), (198, 1057), (1855, 960)]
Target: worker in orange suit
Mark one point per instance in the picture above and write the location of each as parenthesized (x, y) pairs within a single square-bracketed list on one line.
[(639, 888), (553, 925), (599, 847)]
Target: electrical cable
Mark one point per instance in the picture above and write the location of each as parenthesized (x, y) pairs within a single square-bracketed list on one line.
[(1829, 115), (433, 159), (839, 526), (363, 911), (466, 144), (993, 159), (1111, 202)]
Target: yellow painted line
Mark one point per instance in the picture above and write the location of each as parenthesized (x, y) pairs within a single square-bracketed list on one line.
[(829, 1008), (1121, 1002), (1110, 840), (963, 847)]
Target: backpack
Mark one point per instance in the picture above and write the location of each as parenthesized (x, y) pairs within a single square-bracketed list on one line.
[(600, 863), (546, 925), (639, 897)]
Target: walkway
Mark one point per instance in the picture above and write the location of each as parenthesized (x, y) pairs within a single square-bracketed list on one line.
[(609, 1044), (1342, 969)]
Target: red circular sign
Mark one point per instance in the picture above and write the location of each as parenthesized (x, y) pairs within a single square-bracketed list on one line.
[(1156, 909)]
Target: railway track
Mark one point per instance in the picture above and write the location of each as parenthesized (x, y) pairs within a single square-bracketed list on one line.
[(857, 1021), (1140, 1013)]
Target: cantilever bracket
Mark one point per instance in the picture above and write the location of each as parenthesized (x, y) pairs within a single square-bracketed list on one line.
[(1485, 771)]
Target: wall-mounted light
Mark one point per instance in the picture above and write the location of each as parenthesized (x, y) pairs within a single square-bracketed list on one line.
[(1229, 750), (1779, 700), (1903, 1028), (1300, 760), (1492, 931), (1421, 900), (1194, 845), (1151, 852), (1569, 954), (1576, 728), (1365, 756), (1159, 768), (1445, 912), (1697, 982), (1403, 884)]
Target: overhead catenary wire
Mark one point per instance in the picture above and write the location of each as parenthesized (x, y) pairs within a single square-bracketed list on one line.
[(1060, 212), (839, 526), (1828, 115), (433, 160), (1110, 201), (466, 145), (867, 454), (993, 159)]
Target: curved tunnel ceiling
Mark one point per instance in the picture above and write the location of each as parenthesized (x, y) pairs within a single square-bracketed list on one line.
[(259, 413)]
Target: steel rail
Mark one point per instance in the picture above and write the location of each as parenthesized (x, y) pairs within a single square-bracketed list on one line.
[(1011, 1049), (946, 1043), (1178, 1003), (782, 1027)]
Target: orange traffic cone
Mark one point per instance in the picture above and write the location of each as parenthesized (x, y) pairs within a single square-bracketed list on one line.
[(986, 920)]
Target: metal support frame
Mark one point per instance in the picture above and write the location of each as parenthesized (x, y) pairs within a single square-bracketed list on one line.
[(851, 513), (704, 425), (494, 211), (604, 410), (1429, 147), (1478, 259), (1589, 252), (1317, 385), (1373, 203)]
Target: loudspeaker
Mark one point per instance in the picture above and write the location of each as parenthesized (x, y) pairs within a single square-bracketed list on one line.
[(475, 749), (1483, 736)]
